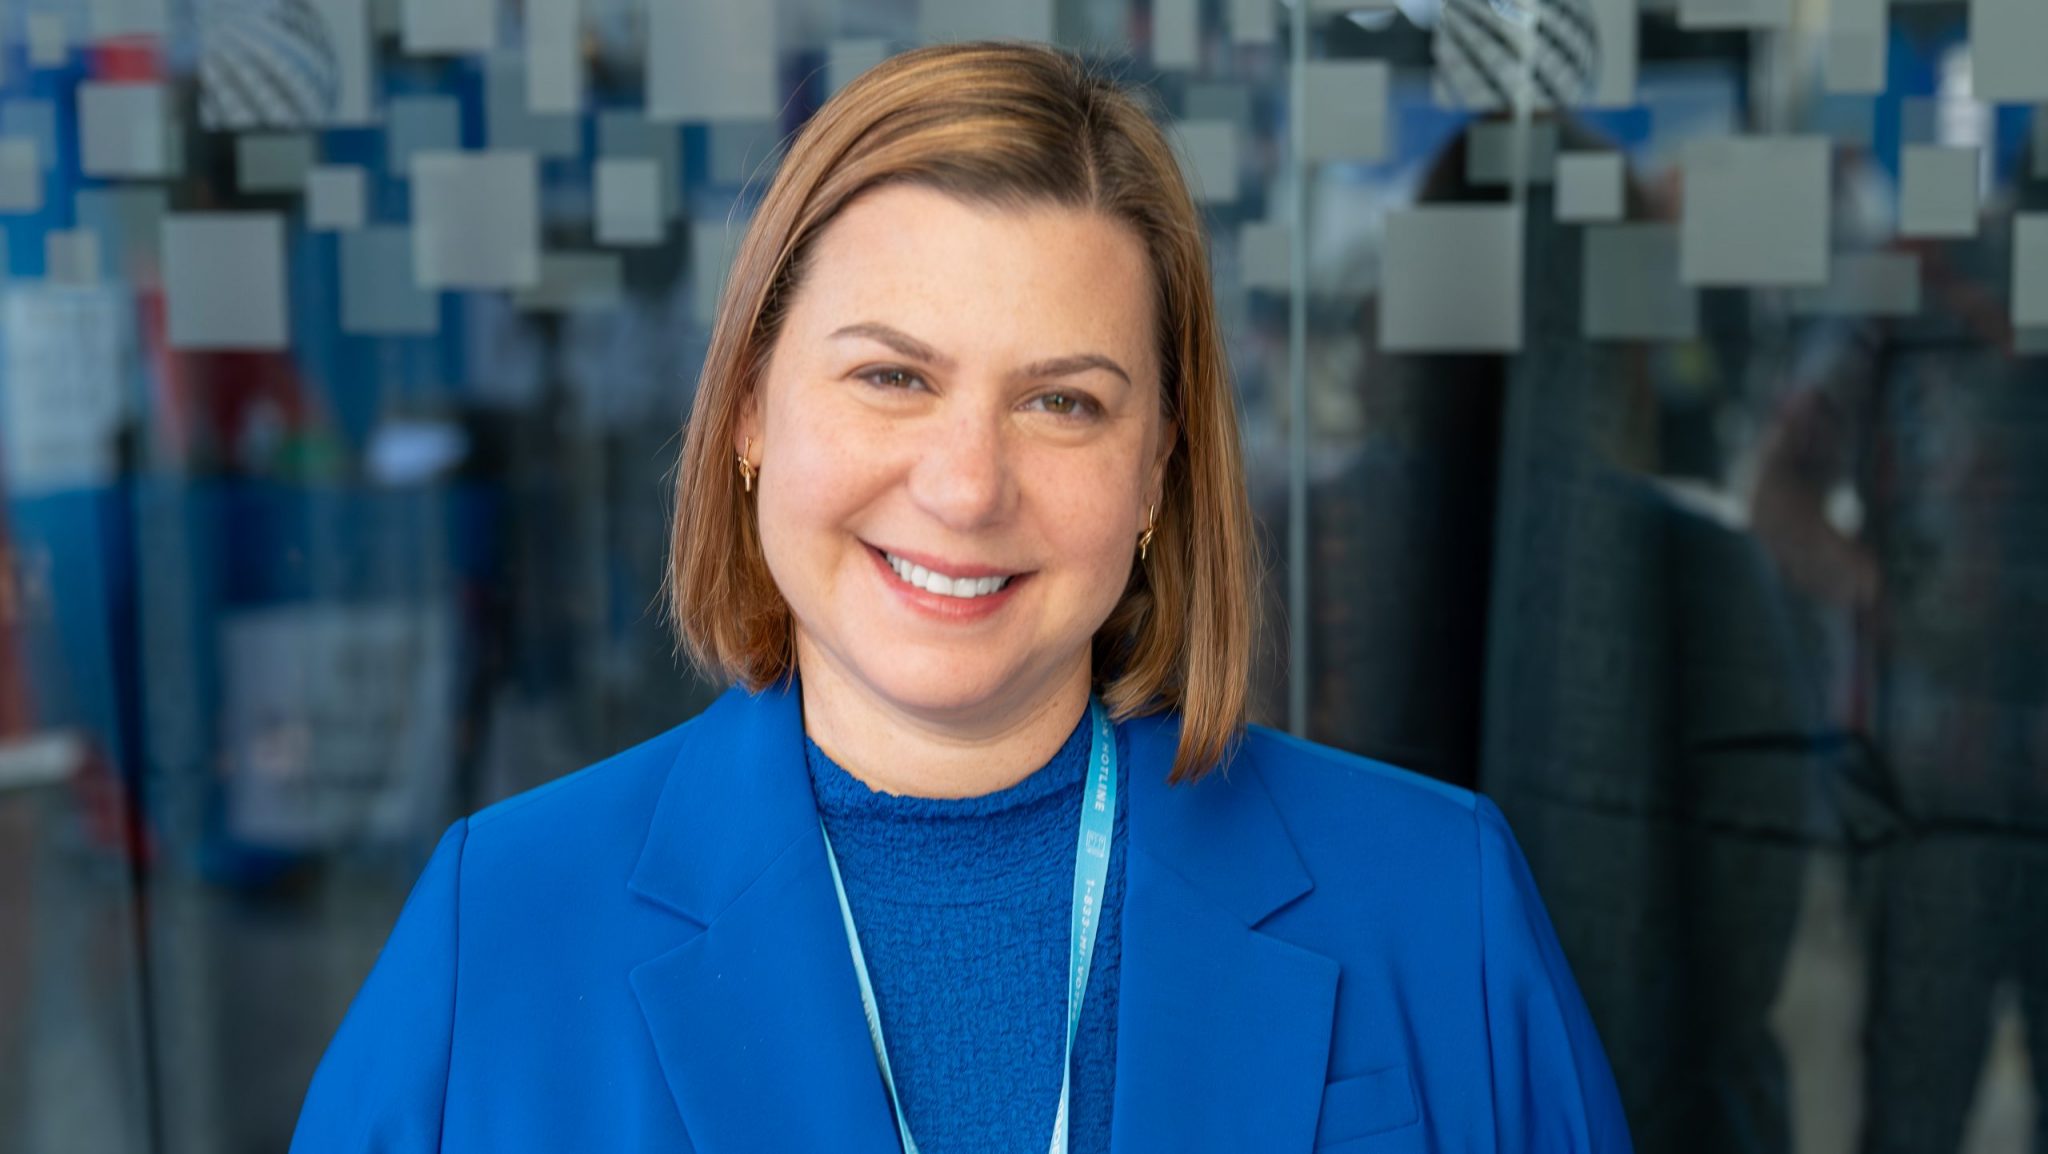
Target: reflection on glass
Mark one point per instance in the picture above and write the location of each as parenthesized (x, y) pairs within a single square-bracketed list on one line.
[(1671, 378)]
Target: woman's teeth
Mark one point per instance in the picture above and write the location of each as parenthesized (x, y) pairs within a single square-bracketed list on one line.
[(941, 584)]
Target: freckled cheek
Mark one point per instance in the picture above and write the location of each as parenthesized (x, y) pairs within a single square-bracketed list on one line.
[(824, 470), (1087, 525)]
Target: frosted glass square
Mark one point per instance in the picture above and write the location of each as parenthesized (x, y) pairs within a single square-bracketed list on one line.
[(420, 124), (1265, 256), (711, 60), (939, 20), (629, 202), (2008, 45), (224, 281), (1253, 21), (1617, 22), (511, 124), (124, 130), (49, 41), (1591, 186), (1757, 211), (449, 27), (1347, 110), (1176, 33), (574, 282), (1208, 159), (476, 220), (1938, 192), (1453, 280), (2030, 270), (21, 176), (273, 163), (1219, 101), (1701, 15), (1856, 46), (334, 197), (554, 56), (628, 134), (1494, 149), (115, 18), (379, 295), (846, 59), (1630, 287), (72, 256), (1865, 284), (350, 39)]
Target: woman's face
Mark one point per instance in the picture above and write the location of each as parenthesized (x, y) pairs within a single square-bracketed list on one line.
[(959, 433)]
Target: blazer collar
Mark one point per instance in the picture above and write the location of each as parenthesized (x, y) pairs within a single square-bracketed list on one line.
[(736, 797), (1223, 1031)]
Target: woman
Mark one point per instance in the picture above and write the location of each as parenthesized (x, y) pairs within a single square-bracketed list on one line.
[(979, 855)]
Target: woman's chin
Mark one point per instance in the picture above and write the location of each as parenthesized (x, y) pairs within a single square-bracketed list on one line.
[(944, 697)]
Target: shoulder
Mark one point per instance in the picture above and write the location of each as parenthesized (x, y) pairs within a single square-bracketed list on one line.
[(1374, 832), (1371, 797), (589, 819), (625, 779), (1284, 759)]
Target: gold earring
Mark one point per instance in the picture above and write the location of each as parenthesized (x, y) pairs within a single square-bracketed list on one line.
[(1151, 522), (747, 467)]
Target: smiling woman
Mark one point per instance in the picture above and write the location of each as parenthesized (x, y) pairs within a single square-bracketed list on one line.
[(951, 492), (1000, 233), (979, 853)]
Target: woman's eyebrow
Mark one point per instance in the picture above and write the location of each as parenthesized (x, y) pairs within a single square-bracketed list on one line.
[(896, 339), (1068, 366), (911, 347)]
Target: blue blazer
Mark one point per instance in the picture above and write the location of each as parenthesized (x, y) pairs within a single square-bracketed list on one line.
[(1320, 952)]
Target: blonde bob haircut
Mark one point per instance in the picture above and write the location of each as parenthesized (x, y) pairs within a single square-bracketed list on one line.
[(1010, 125)]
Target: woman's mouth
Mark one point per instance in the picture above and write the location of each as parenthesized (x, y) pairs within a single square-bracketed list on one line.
[(945, 585)]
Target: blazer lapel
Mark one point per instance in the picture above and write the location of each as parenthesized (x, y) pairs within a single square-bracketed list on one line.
[(757, 1018), (1223, 1032)]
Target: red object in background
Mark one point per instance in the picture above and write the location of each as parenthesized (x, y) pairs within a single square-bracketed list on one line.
[(204, 401), (126, 60)]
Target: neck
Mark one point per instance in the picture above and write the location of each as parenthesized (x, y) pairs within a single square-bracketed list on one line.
[(912, 754)]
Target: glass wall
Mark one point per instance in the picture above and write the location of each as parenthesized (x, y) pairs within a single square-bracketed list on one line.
[(1647, 413)]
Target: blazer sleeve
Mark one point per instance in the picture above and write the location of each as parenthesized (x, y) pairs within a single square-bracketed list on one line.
[(381, 1085), (1553, 1092)]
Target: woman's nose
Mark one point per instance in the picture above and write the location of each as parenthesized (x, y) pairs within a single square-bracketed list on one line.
[(963, 475)]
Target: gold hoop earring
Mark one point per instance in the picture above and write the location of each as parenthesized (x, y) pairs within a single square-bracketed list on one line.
[(746, 466), (1151, 523)]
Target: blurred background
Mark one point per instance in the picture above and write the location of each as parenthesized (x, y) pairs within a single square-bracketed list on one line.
[(1648, 421)]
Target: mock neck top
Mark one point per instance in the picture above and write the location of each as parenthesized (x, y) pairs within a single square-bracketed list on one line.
[(964, 909)]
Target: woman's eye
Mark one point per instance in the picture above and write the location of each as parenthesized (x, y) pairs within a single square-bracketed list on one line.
[(891, 378), (1066, 404)]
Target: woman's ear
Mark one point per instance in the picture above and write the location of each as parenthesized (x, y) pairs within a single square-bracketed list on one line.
[(746, 431), (1169, 439)]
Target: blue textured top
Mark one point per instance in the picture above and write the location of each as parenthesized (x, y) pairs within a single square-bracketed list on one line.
[(964, 908)]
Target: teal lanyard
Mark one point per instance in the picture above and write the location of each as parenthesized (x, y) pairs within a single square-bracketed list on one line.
[(1091, 871)]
